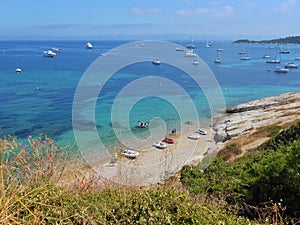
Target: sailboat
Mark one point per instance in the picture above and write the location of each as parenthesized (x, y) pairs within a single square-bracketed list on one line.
[(246, 56), (218, 59), (267, 55), (18, 69), (273, 60)]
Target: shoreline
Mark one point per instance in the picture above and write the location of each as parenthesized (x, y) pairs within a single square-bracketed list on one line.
[(155, 165)]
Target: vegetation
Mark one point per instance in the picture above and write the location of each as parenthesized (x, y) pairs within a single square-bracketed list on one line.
[(264, 185), (30, 194), (286, 40), (261, 188)]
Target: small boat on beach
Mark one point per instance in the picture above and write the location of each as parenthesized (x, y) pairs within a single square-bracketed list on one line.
[(194, 136), (160, 145), (49, 54), (130, 153), (89, 45), (156, 62), (169, 140), (200, 131)]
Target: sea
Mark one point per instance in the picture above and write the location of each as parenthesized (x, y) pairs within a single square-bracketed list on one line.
[(39, 100)]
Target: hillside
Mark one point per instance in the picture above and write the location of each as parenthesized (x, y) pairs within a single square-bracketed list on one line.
[(285, 40)]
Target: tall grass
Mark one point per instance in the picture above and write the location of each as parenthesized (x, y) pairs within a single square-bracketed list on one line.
[(30, 194)]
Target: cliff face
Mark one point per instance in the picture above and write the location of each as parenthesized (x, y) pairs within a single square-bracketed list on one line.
[(245, 119)]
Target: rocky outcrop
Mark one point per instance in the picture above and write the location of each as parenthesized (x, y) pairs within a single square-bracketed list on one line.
[(246, 118)]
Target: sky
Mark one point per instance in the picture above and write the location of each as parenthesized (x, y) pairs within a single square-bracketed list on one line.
[(166, 19)]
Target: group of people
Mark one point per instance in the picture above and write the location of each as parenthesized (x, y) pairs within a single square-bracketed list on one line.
[(142, 124)]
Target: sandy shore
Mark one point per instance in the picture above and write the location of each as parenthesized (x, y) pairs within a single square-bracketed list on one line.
[(153, 164)]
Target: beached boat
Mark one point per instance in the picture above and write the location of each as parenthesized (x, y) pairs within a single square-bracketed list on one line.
[(169, 140), (89, 45), (49, 54), (130, 153), (280, 69), (160, 145), (190, 53), (291, 65), (18, 70), (203, 132), (156, 62), (194, 136)]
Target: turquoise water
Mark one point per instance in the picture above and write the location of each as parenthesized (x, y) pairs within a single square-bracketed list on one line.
[(40, 99)]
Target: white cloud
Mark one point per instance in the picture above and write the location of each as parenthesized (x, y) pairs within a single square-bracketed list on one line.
[(140, 11), (226, 11), (286, 5)]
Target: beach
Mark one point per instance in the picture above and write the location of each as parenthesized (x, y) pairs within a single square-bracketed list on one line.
[(154, 165)]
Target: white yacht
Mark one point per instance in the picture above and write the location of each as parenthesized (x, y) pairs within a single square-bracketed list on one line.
[(280, 69), (89, 45), (190, 53), (156, 62), (291, 65), (49, 53), (18, 70)]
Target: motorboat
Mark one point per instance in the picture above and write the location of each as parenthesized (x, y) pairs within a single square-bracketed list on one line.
[(217, 61), (220, 49), (160, 145), (142, 124), (266, 56), (156, 62), (179, 49), (18, 70), (280, 69), (297, 58), (283, 51), (291, 65), (203, 132), (245, 58), (169, 140), (56, 50), (196, 62), (190, 53), (191, 46), (273, 61), (130, 153), (194, 136), (89, 45), (49, 54)]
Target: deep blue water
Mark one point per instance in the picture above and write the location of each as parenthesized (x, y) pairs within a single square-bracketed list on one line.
[(39, 100)]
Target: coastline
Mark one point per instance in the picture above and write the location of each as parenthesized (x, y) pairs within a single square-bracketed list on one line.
[(155, 165)]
